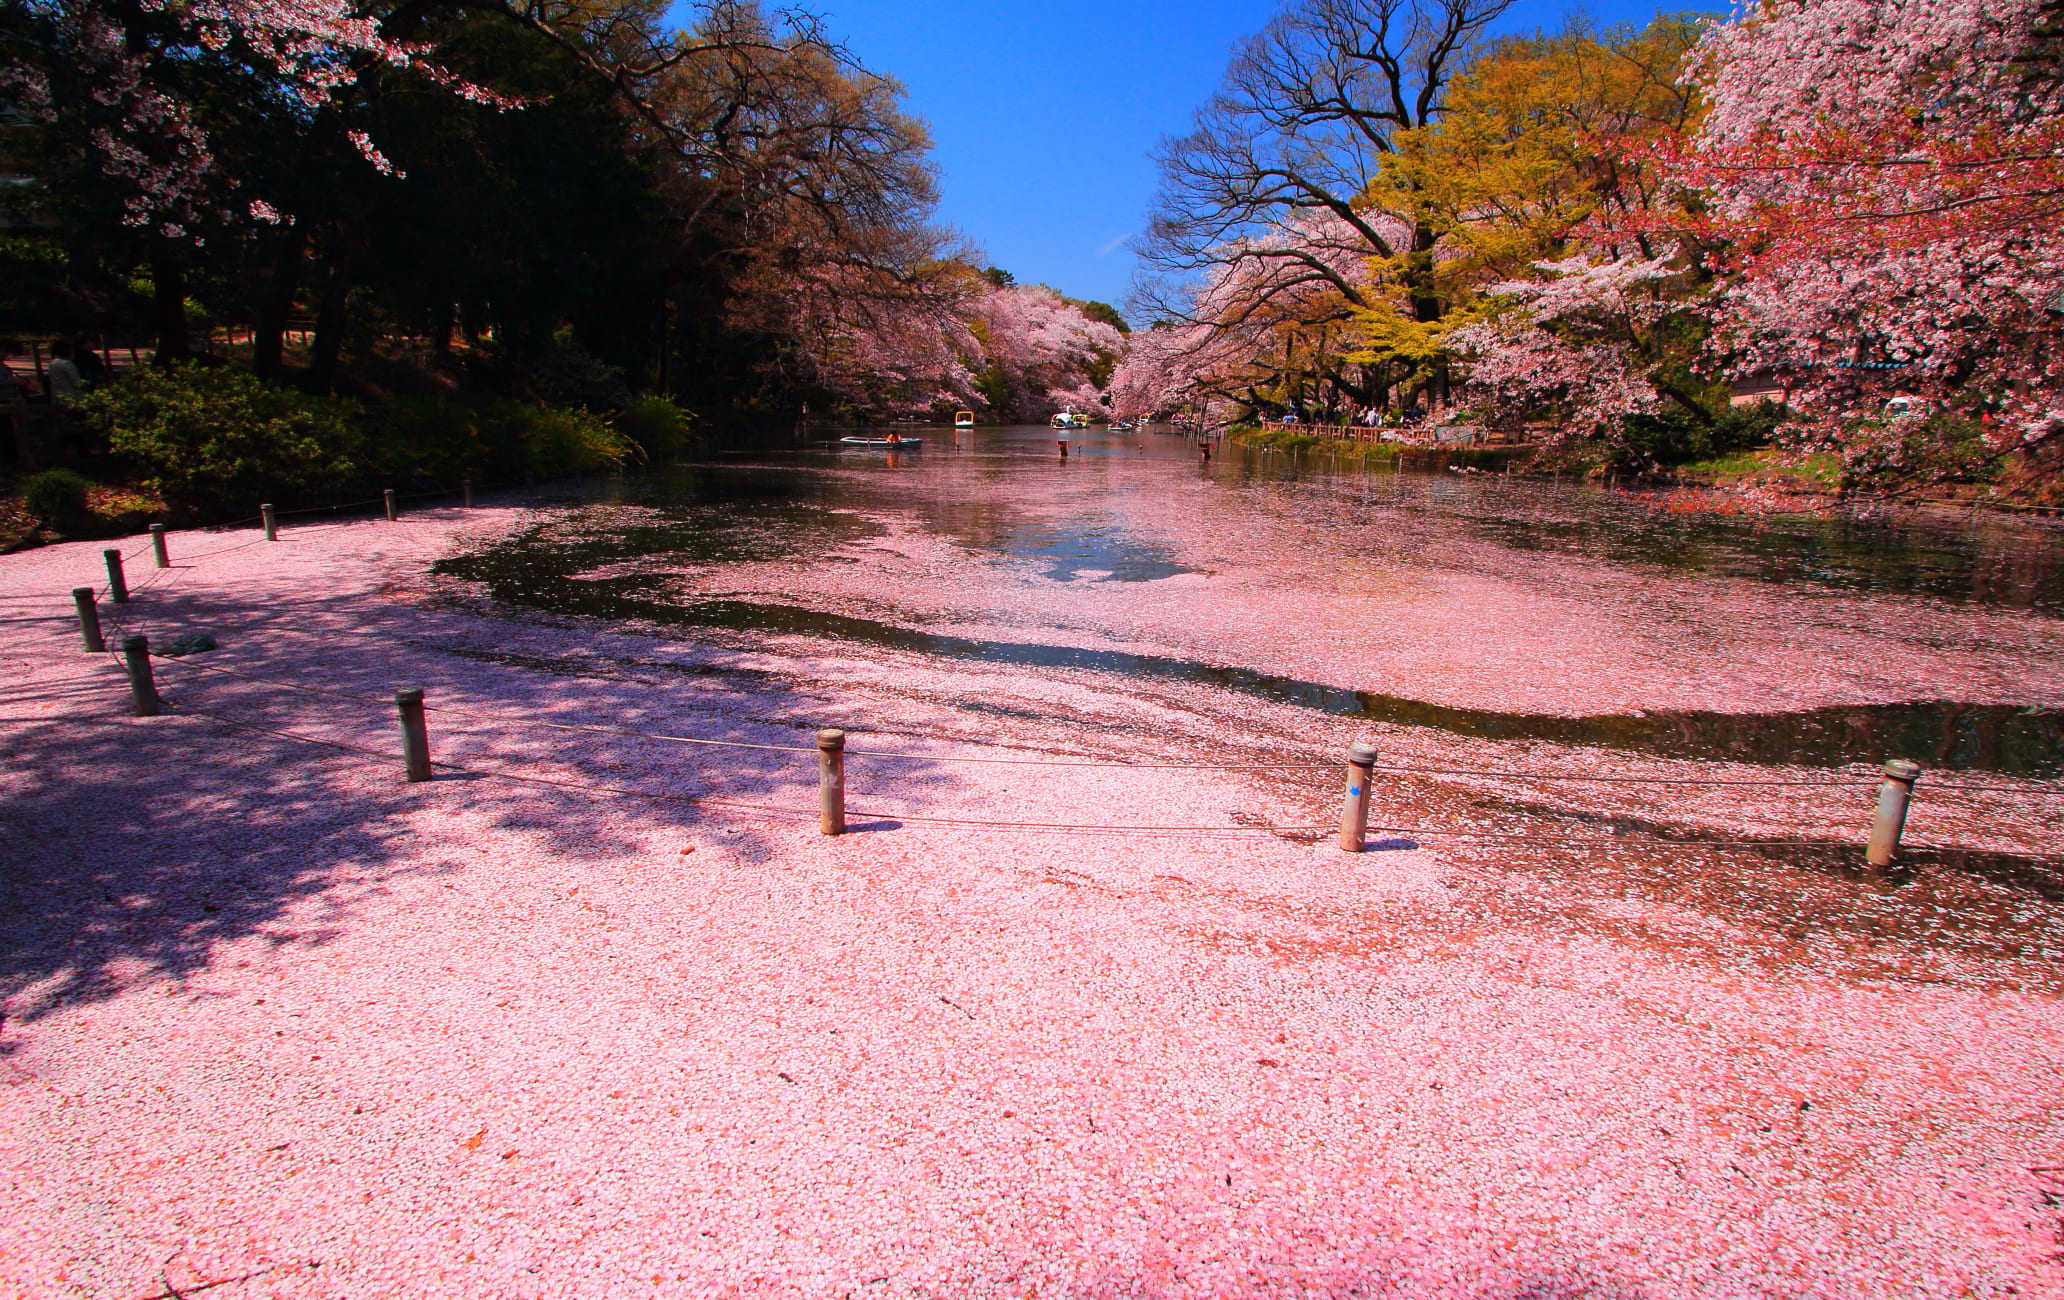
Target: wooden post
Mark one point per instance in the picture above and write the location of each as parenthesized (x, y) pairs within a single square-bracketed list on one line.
[(271, 524), (415, 734), (831, 781), (89, 620), (1890, 823), (466, 488), (1354, 809), (143, 692), (389, 495), (118, 590), (157, 541)]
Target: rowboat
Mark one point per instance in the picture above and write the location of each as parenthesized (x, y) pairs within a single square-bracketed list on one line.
[(881, 442)]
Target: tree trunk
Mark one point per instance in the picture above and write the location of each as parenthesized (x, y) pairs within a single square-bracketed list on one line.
[(665, 371), (269, 342), (441, 340), (168, 284), (329, 322), (1419, 280)]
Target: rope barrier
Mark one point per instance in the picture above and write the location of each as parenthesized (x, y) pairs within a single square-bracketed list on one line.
[(2034, 788), (706, 801), (1471, 836), (185, 661), (316, 510), (1615, 780)]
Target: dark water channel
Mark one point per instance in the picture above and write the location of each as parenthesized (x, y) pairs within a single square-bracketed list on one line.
[(805, 496)]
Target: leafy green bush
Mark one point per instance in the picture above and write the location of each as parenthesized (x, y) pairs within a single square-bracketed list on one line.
[(658, 426), (1888, 454), (440, 439), (58, 498), (560, 440), (436, 440), (220, 441), (1674, 436), (568, 374)]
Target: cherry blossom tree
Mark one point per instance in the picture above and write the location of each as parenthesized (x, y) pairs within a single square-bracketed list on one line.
[(1585, 341), (1889, 177), (1009, 351)]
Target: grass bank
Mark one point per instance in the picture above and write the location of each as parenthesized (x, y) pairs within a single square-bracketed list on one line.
[(1398, 454), (1765, 466)]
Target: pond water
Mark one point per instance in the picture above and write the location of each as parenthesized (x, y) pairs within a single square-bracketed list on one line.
[(1134, 525)]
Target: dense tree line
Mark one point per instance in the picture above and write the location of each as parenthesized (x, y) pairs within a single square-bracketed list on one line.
[(549, 201), (1851, 207)]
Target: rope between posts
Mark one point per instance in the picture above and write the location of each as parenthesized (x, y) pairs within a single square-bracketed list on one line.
[(1608, 780), (1466, 836), (698, 800), (1460, 836), (2033, 789), (1470, 836)]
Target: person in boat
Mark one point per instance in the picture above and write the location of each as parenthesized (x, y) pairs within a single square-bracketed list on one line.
[(895, 436)]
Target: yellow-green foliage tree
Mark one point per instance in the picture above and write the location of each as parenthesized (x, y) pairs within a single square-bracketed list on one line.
[(1533, 147)]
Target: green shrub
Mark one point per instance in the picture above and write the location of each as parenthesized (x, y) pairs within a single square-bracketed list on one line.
[(435, 440), (568, 374), (1674, 436), (220, 441), (561, 440), (58, 498), (441, 439), (1888, 454), (658, 426)]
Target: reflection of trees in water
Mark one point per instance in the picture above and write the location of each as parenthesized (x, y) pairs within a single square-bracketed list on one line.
[(1992, 561)]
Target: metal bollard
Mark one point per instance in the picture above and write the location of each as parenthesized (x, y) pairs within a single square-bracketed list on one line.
[(89, 620), (1354, 808), (831, 781), (1890, 823), (466, 487), (415, 734), (271, 523), (118, 590), (157, 541), (389, 494), (143, 691)]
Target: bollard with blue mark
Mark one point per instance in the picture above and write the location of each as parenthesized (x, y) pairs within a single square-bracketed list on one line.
[(1354, 808)]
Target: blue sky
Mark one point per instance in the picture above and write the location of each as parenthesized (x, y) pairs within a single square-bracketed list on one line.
[(1044, 115)]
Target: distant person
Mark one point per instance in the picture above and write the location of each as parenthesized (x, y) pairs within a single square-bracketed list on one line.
[(15, 392), (14, 389), (93, 371), (66, 383)]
